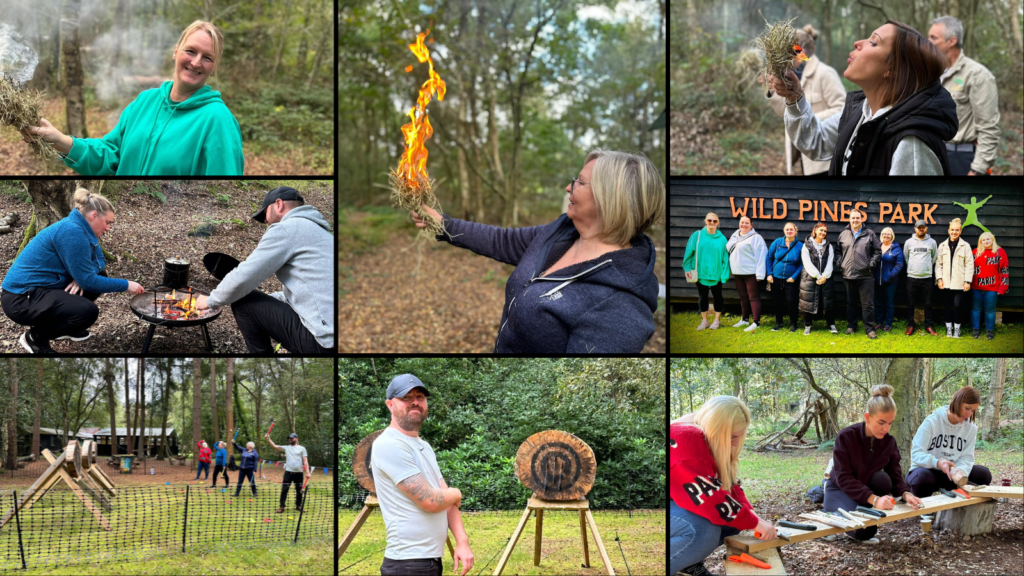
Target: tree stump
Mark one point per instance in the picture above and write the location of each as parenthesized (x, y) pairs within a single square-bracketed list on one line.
[(361, 462), (73, 461), (968, 520), (556, 465)]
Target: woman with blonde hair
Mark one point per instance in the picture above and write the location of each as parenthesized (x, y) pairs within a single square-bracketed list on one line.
[(954, 270), (706, 263), (991, 279), (585, 283), (866, 464), (707, 504), (54, 282), (887, 272), (181, 128)]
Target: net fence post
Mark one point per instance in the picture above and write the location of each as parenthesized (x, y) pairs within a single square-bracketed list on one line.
[(305, 504), (17, 522), (184, 524)]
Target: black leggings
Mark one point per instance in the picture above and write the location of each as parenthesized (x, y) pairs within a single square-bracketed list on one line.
[(289, 479), (244, 473), (952, 299), (716, 292), (219, 470), (924, 481), (787, 299), (51, 312)]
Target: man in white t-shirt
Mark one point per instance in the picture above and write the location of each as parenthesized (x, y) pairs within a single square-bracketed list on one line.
[(296, 465), (417, 505)]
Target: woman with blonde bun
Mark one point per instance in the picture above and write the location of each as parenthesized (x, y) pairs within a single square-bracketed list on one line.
[(54, 282), (954, 269), (866, 464), (707, 504)]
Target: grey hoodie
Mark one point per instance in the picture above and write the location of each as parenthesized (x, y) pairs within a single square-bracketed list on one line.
[(299, 249), (920, 256)]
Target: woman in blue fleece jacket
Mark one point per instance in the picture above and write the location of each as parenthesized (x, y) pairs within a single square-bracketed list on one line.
[(584, 283), (52, 284)]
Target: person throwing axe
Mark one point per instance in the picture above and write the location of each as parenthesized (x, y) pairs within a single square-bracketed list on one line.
[(417, 505), (295, 466)]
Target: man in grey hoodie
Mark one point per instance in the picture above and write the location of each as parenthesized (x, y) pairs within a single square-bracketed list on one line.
[(919, 251), (298, 247)]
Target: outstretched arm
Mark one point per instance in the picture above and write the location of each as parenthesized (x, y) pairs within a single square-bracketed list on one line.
[(272, 445), (962, 205), (428, 498), (982, 203)]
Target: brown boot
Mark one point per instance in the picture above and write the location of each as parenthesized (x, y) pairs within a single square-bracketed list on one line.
[(910, 330), (280, 510), (931, 331)]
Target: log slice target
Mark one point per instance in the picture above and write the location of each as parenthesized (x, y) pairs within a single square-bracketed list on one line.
[(556, 465), (73, 460), (361, 462), (88, 454)]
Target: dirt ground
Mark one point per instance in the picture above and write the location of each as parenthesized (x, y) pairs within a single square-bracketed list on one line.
[(416, 296), (145, 232)]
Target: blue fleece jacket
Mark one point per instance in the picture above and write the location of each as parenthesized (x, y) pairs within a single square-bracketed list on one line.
[(63, 251), (605, 305), (782, 265), (250, 458), (221, 458), (889, 266)]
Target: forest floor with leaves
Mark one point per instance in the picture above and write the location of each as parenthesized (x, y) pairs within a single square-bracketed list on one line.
[(196, 217), (283, 159), (729, 143), (402, 292), (776, 484)]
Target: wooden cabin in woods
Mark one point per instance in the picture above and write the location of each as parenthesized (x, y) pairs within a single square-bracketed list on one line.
[(105, 441), (51, 439)]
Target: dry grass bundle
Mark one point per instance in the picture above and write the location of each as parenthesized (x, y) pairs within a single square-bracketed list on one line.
[(19, 108), (777, 44), (749, 62), (413, 198)]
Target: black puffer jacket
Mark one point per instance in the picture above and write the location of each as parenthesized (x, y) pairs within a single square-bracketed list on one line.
[(858, 258), (810, 290)]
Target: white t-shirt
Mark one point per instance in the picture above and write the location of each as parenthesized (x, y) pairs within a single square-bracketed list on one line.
[(411, 532), (293, 458)]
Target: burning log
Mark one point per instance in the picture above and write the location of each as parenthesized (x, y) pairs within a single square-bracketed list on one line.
[(411, 186), (19, 108), (778, 44)]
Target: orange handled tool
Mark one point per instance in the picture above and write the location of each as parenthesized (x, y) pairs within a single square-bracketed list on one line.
[(748, 559), (962, 493)]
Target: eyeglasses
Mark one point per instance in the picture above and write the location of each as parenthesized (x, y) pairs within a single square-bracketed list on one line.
[(712, 221), (573, 187)]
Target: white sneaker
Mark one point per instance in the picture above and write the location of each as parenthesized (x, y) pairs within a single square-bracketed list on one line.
[(742, 322), (956, 331), (714, 325), (949, 330), (830, 538), (751, 328), (807, 330), (871, 542), (703, 325), (833, 329)]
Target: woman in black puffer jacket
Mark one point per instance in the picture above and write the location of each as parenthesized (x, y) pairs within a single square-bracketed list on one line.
[(817, 288)]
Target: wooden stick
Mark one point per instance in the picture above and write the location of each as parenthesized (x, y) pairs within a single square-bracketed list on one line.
[(847, 514), (830, 520), (350, 534), (512, 543), (600, 545)]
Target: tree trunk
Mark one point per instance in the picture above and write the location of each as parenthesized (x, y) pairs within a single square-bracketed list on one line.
[(197, 391), (142, 404), (72, 64), (213, 399), (12, 415), (127, 410), (1015, 25), (968, 520), (829, 415), (906, 376), (990, 427), (228, 407), (162, 452), (138, 400), (928, 379), (284, 36), (461, 158), (108, 377), (37, 414)]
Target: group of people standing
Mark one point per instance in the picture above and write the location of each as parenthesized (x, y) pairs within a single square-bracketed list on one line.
[(800, 275), (707, 503)]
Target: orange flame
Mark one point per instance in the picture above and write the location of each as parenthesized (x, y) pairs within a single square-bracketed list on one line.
[(414, 161), (800, 56)]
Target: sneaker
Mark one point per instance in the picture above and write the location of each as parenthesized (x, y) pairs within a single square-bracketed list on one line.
[(956, 332), (989, 334), (832, 328), (975, 333), (777, 327), (792, 328), (33, 346), (77, 337), (740, 323), (751, 328), (697, 569), (887, 328), (870, 542), (714, 325), (949, 331), (830, 538), (298, 508), (807, 330), (850, 330), (872, 335), (703, 325)]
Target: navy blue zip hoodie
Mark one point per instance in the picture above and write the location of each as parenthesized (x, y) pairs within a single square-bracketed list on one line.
[(605, 305), (249, 457)]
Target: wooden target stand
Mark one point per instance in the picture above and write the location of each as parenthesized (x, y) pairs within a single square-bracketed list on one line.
[(77, 468), (560, 469), (364, 475)]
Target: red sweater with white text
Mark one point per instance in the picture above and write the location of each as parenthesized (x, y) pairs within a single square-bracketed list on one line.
[(694, 484), (991, 271)]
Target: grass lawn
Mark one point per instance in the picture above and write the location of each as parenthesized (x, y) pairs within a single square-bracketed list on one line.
[(642, 538), (684, 339)]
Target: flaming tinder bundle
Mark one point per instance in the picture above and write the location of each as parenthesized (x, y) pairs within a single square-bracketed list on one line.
[(19, 108)]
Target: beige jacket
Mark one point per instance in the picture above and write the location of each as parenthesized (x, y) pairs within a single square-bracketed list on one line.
[(826, 94), (954, 269), (973, 88)]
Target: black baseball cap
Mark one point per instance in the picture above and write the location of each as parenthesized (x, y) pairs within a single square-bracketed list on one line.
[(293, 435), (402, 384), (279, 193)]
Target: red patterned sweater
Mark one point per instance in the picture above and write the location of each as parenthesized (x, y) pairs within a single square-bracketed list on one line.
[(991, 271), (694, 484)]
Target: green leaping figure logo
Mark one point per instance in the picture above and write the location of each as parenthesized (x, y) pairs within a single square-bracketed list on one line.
[(972, 212)]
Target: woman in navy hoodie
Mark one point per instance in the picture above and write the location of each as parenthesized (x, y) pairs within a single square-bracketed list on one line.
[(584, 283), (247, 467), (53, 283), (886, 274)]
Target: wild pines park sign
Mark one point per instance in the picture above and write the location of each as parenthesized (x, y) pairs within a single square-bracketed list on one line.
[(839, 211)]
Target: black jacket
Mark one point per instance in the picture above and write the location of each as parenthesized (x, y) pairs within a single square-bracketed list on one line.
[(859, 258), (809, 287), (929, 114)]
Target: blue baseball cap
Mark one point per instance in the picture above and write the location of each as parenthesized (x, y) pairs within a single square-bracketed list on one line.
[(402, 384)]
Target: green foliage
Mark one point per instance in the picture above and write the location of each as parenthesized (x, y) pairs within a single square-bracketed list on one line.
[(281, 113), (222, 200), (149, 188)]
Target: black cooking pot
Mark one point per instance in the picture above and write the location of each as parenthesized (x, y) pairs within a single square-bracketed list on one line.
[(176, 273)]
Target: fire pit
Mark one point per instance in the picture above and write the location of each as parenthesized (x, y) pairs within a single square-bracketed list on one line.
[(173, 308)]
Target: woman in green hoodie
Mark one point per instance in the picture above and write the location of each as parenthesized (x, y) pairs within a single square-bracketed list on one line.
[(707, 255), (181, 128)]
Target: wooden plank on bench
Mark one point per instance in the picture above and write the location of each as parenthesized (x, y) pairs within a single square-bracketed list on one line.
[(771, 556), (745, 541), (1016, 492)]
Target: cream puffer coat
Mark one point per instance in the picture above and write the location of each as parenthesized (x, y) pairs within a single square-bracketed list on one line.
[(954, 269), (824, 91)]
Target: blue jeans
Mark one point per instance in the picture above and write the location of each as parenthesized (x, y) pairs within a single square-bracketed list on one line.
[(984, 299), (692, 538), (203, 466), (885, 303)]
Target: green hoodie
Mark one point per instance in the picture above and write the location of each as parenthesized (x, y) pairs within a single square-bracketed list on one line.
[(712, 260), (158, 137)]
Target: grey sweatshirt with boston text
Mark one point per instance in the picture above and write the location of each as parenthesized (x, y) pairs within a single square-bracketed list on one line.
[(299, 249), (920, 256)]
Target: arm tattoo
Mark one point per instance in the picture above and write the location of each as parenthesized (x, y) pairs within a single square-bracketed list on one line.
[(422, 493)]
